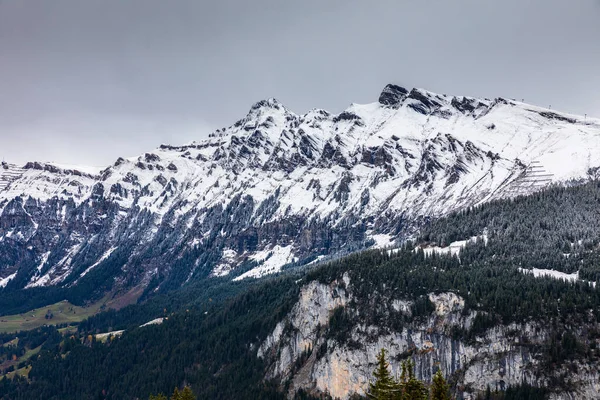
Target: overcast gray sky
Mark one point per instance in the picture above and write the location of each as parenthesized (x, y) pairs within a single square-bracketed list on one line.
[(87, 81)]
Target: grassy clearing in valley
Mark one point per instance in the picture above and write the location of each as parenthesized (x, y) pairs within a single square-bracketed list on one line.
[(13, 363), (62, 312)]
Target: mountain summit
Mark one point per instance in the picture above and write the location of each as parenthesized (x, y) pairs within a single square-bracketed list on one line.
[(277, 188)]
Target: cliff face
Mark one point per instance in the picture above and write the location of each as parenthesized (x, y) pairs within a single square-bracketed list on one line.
[(302, 350)]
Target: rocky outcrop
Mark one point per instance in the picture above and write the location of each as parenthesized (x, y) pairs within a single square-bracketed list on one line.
[(392, 95), (304, 353)]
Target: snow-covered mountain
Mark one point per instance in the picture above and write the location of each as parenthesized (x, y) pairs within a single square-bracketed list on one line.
[(278, 188)]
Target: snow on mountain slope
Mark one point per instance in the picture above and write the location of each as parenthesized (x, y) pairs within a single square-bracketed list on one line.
[(43, 181), (297, 186), (4, 281), (574, 277), (271, 261)]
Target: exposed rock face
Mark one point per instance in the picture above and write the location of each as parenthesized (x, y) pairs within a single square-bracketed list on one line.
[(317, 184), (312, 311), (392, 95), (502, 356)]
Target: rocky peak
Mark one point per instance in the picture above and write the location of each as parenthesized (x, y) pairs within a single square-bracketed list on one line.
[(269, 113), (467, 105), (424, 102), (392, 95), (270, 103)]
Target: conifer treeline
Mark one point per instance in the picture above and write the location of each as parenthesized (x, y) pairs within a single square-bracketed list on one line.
[(407, 387), (185, 394)]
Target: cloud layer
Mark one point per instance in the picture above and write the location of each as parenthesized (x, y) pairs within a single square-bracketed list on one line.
[(88, 81)]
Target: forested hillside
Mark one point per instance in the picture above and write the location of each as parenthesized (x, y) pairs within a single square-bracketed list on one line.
[(236, 340), (554, 229)]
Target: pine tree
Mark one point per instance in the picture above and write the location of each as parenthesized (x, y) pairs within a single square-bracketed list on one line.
[(404, 375), (439, 388), (384, 387), (176, 395), (410, 387), (186, 394)]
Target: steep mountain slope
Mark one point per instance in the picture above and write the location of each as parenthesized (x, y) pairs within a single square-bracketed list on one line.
[(494, 313), (476, 314), (278, 188)]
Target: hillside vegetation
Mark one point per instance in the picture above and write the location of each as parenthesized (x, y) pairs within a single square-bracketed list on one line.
[(211, 338)]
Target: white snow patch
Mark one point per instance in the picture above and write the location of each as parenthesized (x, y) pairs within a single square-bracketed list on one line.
[(454, 248), (4, 281), (222, 270), (316, 260), (382, 241), (104, 257), (272, 261), (104, 336), (60, 270), (156, 321), (550, 273), (39, 282), (43, 261), (227, 263)]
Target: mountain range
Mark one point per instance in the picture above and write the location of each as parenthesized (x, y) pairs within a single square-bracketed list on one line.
[(278, 189), (458, 233)]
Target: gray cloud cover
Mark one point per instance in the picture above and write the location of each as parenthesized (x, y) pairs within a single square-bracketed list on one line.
[(86, 81)]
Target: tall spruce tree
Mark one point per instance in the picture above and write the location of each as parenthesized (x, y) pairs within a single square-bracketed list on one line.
[(439, 387), (187, 394), (384, 387), (410, 387)]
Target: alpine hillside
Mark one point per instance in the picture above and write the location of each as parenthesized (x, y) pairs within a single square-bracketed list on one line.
[(279, 189)]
